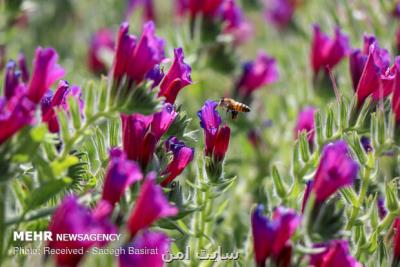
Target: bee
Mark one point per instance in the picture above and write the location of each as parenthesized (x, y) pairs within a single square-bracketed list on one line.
[(233, 106)]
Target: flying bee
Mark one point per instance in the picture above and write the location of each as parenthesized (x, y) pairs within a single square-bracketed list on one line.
[(233, 106)]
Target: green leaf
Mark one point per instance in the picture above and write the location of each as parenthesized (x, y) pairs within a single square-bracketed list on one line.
[(140, 100)]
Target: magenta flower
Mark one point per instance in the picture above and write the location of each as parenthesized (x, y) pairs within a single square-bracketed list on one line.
[(101, 41), (177, 77), (182, 156), (326, 52), (154, 241), (216, 137), (280, 12), (234, 22), (51, 102), (396, 241), (73, 218), (124, 47), (305, 123), (371, 72), (45, 72), (15, 114), (141, 133), (336, 254), (263, 71), (151, 205), (136, 59), (270, 237), (382, 211), (396, 93), (121, 173), (23, 67), (336, 169), (156, 75), (207, 8)]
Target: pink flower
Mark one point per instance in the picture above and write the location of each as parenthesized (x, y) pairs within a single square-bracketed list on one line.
[(101, 41), (177, 77), (305, 123), (150, 206)]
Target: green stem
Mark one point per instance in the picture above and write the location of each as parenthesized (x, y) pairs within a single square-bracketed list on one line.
[(363, 193), (70, 142)]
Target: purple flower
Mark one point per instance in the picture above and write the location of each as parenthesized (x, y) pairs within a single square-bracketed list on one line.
[(216, 137), (176, 78), (15, 114), (73, 218), (336, 254), (50, 102), (156, 75), (150, 206), (182, 156), (366, 144), (270, 237), (396, 93), (382, 211), (156, 242), (101, 41), (45, 72), (23, 67), (148, 52), (121, 173), (280, 12), (234, 22), (396, 240), (141, 133), (125, 45), (336, 169), (305, 123), (327, 52), (258, 73)]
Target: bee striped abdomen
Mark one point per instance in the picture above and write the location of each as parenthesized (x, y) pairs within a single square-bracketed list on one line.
[(242, 107)]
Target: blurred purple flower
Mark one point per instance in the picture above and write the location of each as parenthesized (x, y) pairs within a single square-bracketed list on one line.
[(50, 102), (382, 211), (270, 237), (366, 144), (121, 173), (336, 254), (207, 8), (141, 133), (73, 218), (182, 156), (151, 205), (327, 52), (336, 169), (305, 123), (257, 73), (23, 67), (280, 12), (177, 77), (396, 241), (101, 41), (371, 72), (45, 72), (216, 137), (153, 241)]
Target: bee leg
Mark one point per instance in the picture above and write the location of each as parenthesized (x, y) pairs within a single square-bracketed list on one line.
[(234, 114)]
